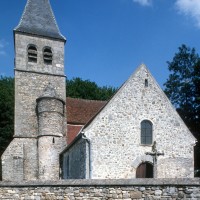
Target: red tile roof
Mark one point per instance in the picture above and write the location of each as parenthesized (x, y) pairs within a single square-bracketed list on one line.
[(80, 111), (72, 131)]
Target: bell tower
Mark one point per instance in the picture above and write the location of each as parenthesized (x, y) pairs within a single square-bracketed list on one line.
[(39, 61)]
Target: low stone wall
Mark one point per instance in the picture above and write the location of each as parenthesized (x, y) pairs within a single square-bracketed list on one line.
[(147, 189)]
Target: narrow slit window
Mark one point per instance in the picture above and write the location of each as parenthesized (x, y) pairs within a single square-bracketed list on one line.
[(146, 83), (32, 54), (48, 56), (67, 166), (53, 141)]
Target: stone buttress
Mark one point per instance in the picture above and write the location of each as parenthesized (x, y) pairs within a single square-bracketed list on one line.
[(39, 60)]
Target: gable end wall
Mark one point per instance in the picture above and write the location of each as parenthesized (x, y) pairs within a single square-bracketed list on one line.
[(115, 132)]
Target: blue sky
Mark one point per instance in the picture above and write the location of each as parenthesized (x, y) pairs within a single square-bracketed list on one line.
[(108, 39)]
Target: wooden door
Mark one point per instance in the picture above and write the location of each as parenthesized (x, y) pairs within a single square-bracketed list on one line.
[(144, 170)]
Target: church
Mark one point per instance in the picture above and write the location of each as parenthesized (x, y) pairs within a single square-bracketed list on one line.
[(136, 134)]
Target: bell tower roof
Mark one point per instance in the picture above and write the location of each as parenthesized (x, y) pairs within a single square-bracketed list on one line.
[(38, 19)]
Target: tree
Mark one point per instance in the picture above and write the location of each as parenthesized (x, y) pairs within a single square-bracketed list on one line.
[(196, 80), (85, 89), (6, 111), (183, 89), (182, 85)]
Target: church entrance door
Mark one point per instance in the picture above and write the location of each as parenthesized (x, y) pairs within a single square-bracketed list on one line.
[(144, 170)]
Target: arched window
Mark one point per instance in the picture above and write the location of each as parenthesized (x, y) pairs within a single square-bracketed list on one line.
[(32, 54), (47, 55), (146, 132), (144, 170)]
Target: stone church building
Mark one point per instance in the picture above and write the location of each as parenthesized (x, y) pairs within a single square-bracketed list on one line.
[(136, 134)]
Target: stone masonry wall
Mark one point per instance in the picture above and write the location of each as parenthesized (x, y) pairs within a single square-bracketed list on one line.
[(32, 78), (51, 140), (20, 161), (48, 157), (75, 161), (116, 149), (29, 86), (50, 117), (140, 189), (21, 45)]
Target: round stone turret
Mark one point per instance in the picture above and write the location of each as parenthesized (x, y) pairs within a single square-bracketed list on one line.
[(50, 111)]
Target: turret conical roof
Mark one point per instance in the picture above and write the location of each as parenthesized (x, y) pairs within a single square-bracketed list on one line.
[(38, 19)]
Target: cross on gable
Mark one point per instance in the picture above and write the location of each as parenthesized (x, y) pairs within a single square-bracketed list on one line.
[(154, 152), (155, 155)]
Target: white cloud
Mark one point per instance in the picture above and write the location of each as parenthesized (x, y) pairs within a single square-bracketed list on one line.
[(143, 2), (190, 8)]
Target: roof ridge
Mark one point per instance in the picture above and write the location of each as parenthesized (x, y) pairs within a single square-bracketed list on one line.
[(87, 99), (21, 19), (55, 20)]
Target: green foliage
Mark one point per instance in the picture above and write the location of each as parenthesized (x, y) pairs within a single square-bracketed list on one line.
[(182, 86), (196, 80), (85, 89), (183, 89), (179, 86), (6, 112)]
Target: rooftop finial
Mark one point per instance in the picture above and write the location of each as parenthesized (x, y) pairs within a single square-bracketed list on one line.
[(49, 91)]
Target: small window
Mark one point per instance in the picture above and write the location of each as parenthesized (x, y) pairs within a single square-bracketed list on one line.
[(32, 54), (146, 132), (146, 83), (48, 56)]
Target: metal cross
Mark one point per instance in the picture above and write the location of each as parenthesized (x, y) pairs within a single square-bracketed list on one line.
[(155, 155)]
